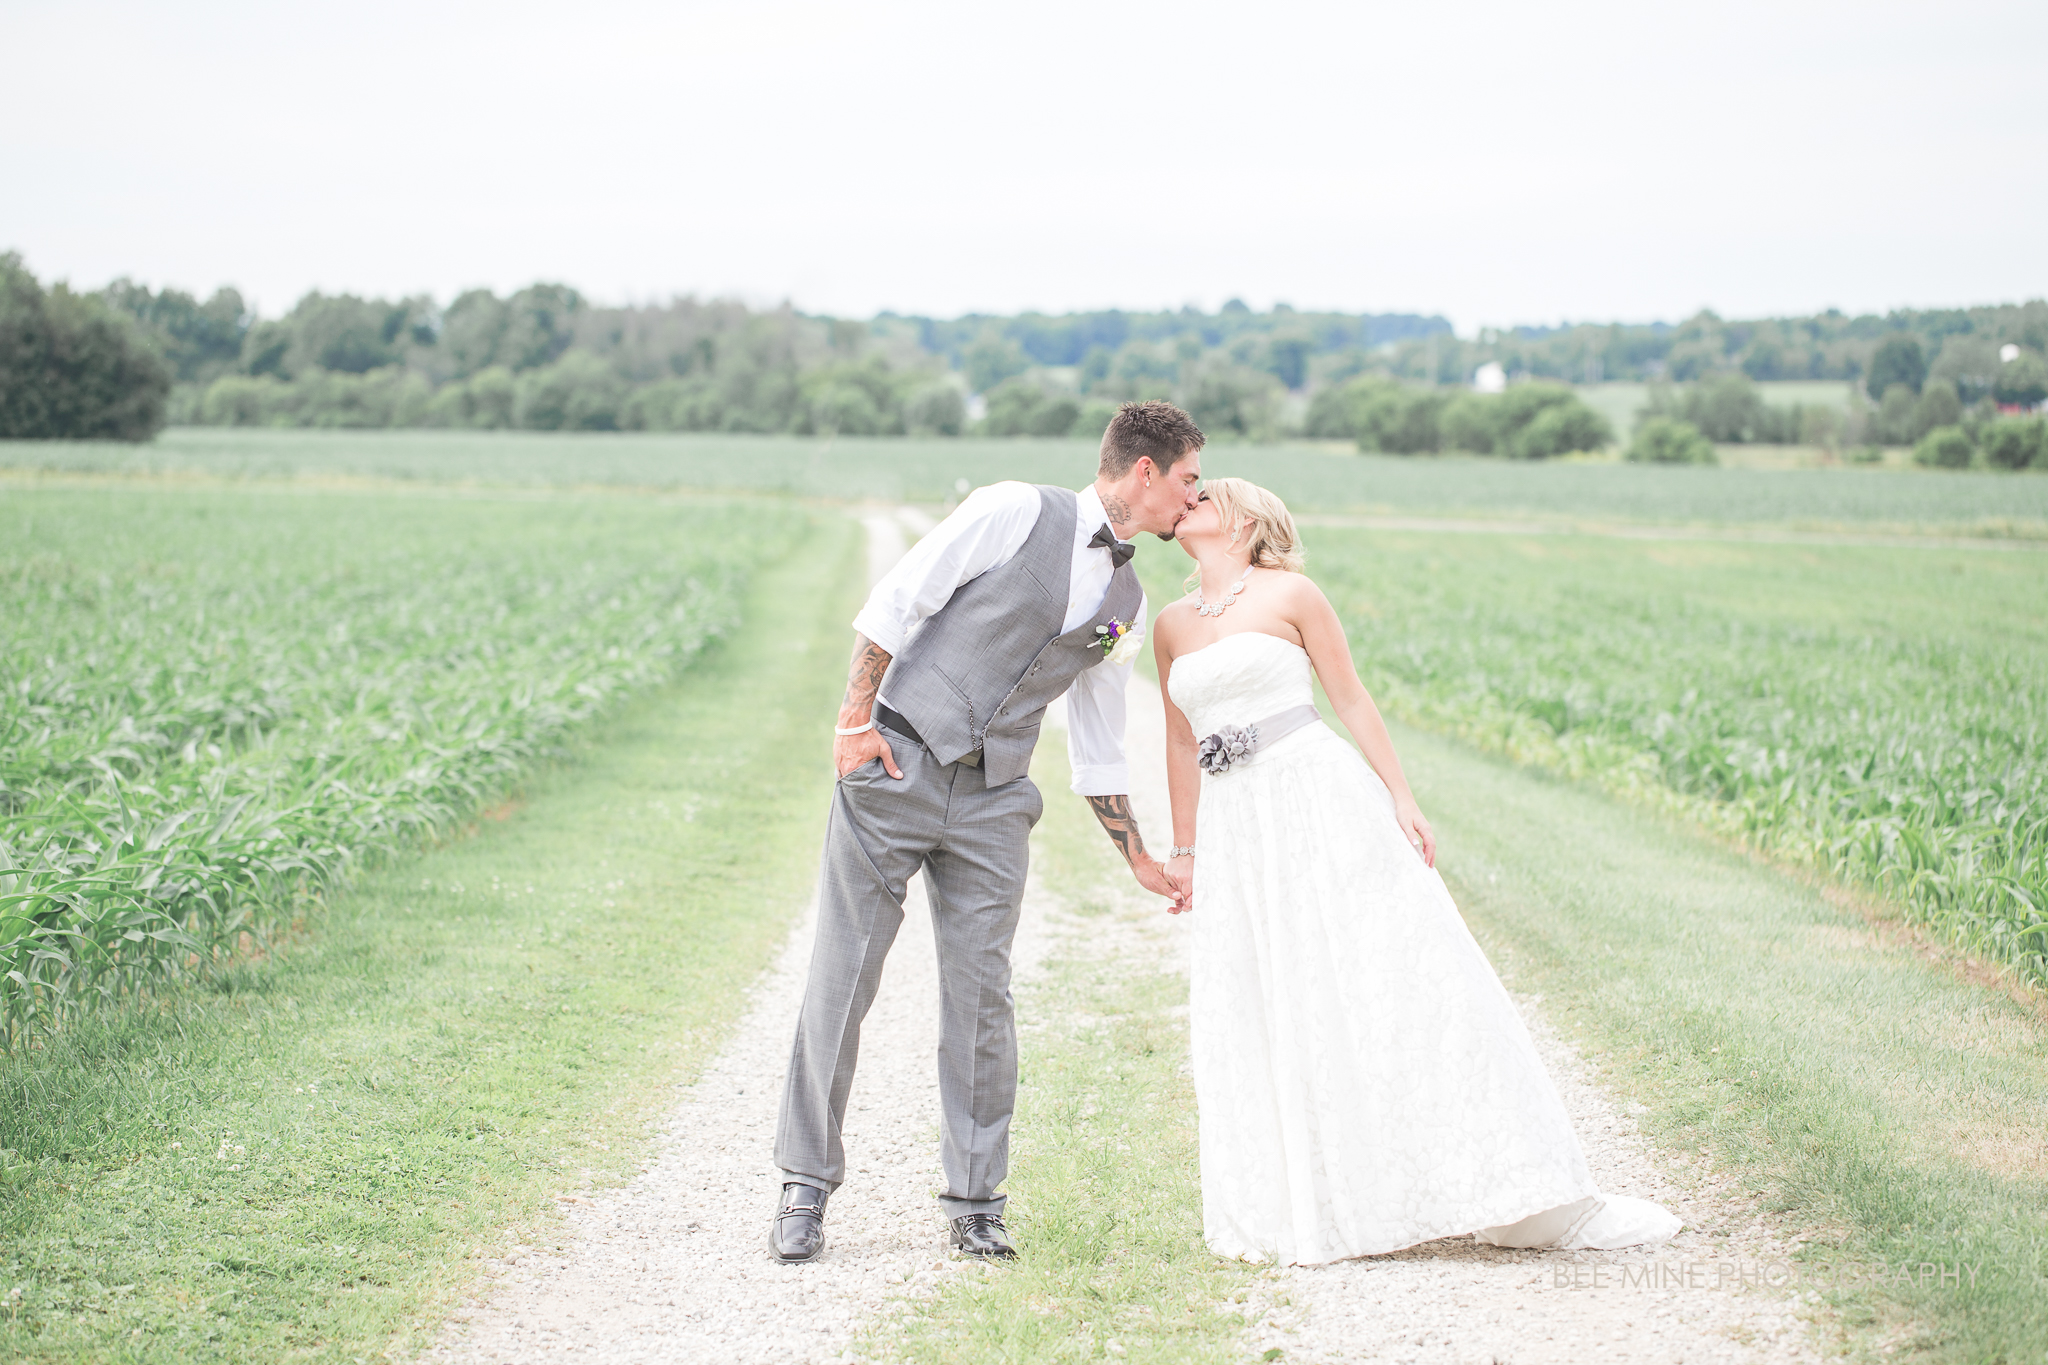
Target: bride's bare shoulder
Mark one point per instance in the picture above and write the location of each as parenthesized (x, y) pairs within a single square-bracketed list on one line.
[(1298, 589)]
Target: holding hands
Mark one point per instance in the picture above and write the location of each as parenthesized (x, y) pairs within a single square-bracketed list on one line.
[(1164, 879)]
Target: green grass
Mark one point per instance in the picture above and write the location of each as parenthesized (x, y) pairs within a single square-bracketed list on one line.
[(1310, 476), (1619, 401), (214, 703), (1105, 1195), (1885, 1107), (301, 1159), (1879, 714)]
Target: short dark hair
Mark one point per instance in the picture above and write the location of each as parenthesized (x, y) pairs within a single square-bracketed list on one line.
[(1153, 427)]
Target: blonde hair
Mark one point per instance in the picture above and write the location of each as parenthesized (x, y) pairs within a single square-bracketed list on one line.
[(1274, 543)]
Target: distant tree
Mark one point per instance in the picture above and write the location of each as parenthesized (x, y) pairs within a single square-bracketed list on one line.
[(1094, 419), (1670, 440), (493, 398), (937, 409), (1897, 360), (1939, 406), (1893, 424), (1234, 400), (1821, 425), (390, 396), (266, 349), (1726, 407), (237, 400), (343, 333), (1470, 422), (1945, 448), (1333, 412), (1055, 417), (2011, 444), (1561, 429), (2023, 381), (200, 340), (992, 360), (1398, 420), (1968, 362), (1011, 406), (472, 330), (1518, 407), (540, 326), (1287, 359), (579, 392), (845, 409), (1764, 360), (71, 368)]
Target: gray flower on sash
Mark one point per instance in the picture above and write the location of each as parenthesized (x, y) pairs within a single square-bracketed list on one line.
[(1231, 744)]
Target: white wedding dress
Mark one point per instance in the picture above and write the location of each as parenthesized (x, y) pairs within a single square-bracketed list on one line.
[(1364, 1081)]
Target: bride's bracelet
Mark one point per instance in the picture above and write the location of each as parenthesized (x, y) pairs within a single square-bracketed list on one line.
[(1178, 852)]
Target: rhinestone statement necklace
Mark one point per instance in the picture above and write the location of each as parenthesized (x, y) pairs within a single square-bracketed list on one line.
[(1203, 608)]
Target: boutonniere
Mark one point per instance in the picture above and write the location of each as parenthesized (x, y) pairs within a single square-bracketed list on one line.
[(1118, 641)]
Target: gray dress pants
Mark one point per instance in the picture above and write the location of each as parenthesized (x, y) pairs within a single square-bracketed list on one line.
[(973, 843)]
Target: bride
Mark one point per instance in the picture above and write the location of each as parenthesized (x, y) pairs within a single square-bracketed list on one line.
[(1364, 1082)]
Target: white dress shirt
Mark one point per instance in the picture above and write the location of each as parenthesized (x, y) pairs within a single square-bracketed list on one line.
[(983, 533)]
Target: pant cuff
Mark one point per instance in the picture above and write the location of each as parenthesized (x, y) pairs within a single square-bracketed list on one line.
[(816, 1182), (959, 1208)]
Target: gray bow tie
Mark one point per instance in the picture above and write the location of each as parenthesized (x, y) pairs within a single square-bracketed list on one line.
[(1120, 552)]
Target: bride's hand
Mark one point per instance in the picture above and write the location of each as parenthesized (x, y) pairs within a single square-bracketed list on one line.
[(1181, 871), (1153, 876), (1416, 830)]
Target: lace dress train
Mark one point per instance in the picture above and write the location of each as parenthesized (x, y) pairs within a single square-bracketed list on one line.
[(1364, 1081)]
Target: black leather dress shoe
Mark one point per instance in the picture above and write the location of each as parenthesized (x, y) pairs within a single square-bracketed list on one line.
[(983, 1235), (798, 1232)]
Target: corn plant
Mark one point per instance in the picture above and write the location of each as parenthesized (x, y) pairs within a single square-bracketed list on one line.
[(214, 706)]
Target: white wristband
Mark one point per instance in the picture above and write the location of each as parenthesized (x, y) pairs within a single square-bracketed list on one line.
[(1178, 852), (856, 730)]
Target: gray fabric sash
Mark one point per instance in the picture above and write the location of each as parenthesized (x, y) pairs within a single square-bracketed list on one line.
[(1236, 743)]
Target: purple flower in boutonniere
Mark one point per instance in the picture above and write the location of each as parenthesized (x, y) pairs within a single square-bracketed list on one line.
[(1119, 641)]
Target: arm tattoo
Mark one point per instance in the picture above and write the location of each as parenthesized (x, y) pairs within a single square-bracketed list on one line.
[(864, 674), (1117, 817)]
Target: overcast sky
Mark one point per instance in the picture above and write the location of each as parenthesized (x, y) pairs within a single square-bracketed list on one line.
[(1495, 162)]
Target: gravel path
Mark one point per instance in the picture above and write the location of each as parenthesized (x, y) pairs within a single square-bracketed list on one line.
[(673, 1267), (1458, 1301)]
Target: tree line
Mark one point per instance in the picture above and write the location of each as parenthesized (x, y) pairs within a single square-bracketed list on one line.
[(120, 362)]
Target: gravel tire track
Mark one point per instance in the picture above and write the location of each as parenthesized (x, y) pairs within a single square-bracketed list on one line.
[(674, 1266)]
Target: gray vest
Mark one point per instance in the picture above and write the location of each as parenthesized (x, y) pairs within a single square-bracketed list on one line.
[(980, 671)]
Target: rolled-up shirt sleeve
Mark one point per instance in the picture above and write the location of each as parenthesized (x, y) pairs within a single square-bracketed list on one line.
[(1095, 727), (983, 532)]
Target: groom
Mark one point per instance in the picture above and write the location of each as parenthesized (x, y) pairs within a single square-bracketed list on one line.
[(1002, 608)]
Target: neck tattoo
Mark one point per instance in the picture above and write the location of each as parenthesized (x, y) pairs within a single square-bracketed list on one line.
[(1118, 510), (1203, 608)]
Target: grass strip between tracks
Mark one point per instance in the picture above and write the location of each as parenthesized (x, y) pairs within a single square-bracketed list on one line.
[(302, 1163), (1105, 1190)]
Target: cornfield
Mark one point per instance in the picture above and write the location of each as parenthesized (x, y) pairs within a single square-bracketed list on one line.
[(215, 705), (1880, 714)]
